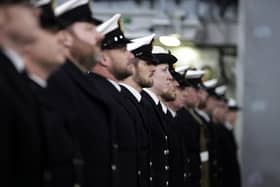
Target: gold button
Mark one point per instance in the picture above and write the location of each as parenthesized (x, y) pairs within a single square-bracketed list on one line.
[(114, 167), (166, 152)]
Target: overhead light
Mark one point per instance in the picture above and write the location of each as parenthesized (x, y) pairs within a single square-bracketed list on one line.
[(171, 41), (187, 56), (161, 22)]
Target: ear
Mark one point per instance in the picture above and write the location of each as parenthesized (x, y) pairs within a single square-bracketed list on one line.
[(105, 59)]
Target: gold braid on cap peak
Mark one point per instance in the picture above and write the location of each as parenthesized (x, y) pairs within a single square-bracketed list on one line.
[(53, 4), (89, 4), (120, 23)]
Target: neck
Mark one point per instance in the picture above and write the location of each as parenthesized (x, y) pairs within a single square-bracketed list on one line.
[(102, 71), (173, 106), (36, 69), (129, 81), (155, 91), (76, 62), (17, 48)]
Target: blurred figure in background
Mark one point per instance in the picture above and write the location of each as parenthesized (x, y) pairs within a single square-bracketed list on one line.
[(42, 58), (232, 112), (88, 116), (21, 130), (227, 146)]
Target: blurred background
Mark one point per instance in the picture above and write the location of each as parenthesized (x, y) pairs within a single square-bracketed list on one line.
[(234, 41)]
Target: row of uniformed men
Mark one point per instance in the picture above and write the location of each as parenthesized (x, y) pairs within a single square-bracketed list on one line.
[(82, 105)]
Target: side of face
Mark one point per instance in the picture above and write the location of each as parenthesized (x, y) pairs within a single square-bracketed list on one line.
[(162, 80), (172, 92), (86, 43), (210, 104), (47, 51), (2, 25), (21, 23), (219, 114), (202, 94), (143, 74), (120, 62), (192, 99), (231, 117), (180, 100)]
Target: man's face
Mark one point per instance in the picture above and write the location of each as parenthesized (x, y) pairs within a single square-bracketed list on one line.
[(219, 115), (172, 91), (192, 99), (143, 74), (181, 98), (120, 62), (202, 94), (211, 103), (221, 103), (21, 23), (86, 43), (2, 25), (47, 51), (231, 117), (162, 81)]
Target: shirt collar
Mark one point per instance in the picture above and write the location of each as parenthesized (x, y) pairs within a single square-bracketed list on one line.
[(164, 107), (115, 84), (15, 58), (38, 80), (203, 114), (134, 92), (153, 95), (173, 113), (228, 126)]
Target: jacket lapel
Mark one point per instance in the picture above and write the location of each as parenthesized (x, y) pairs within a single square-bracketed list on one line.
[(81, 81), (156, 109)]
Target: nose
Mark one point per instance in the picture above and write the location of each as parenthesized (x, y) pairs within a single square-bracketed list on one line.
[(169, 76), (152, 68), (60, 38), (130, 55)]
